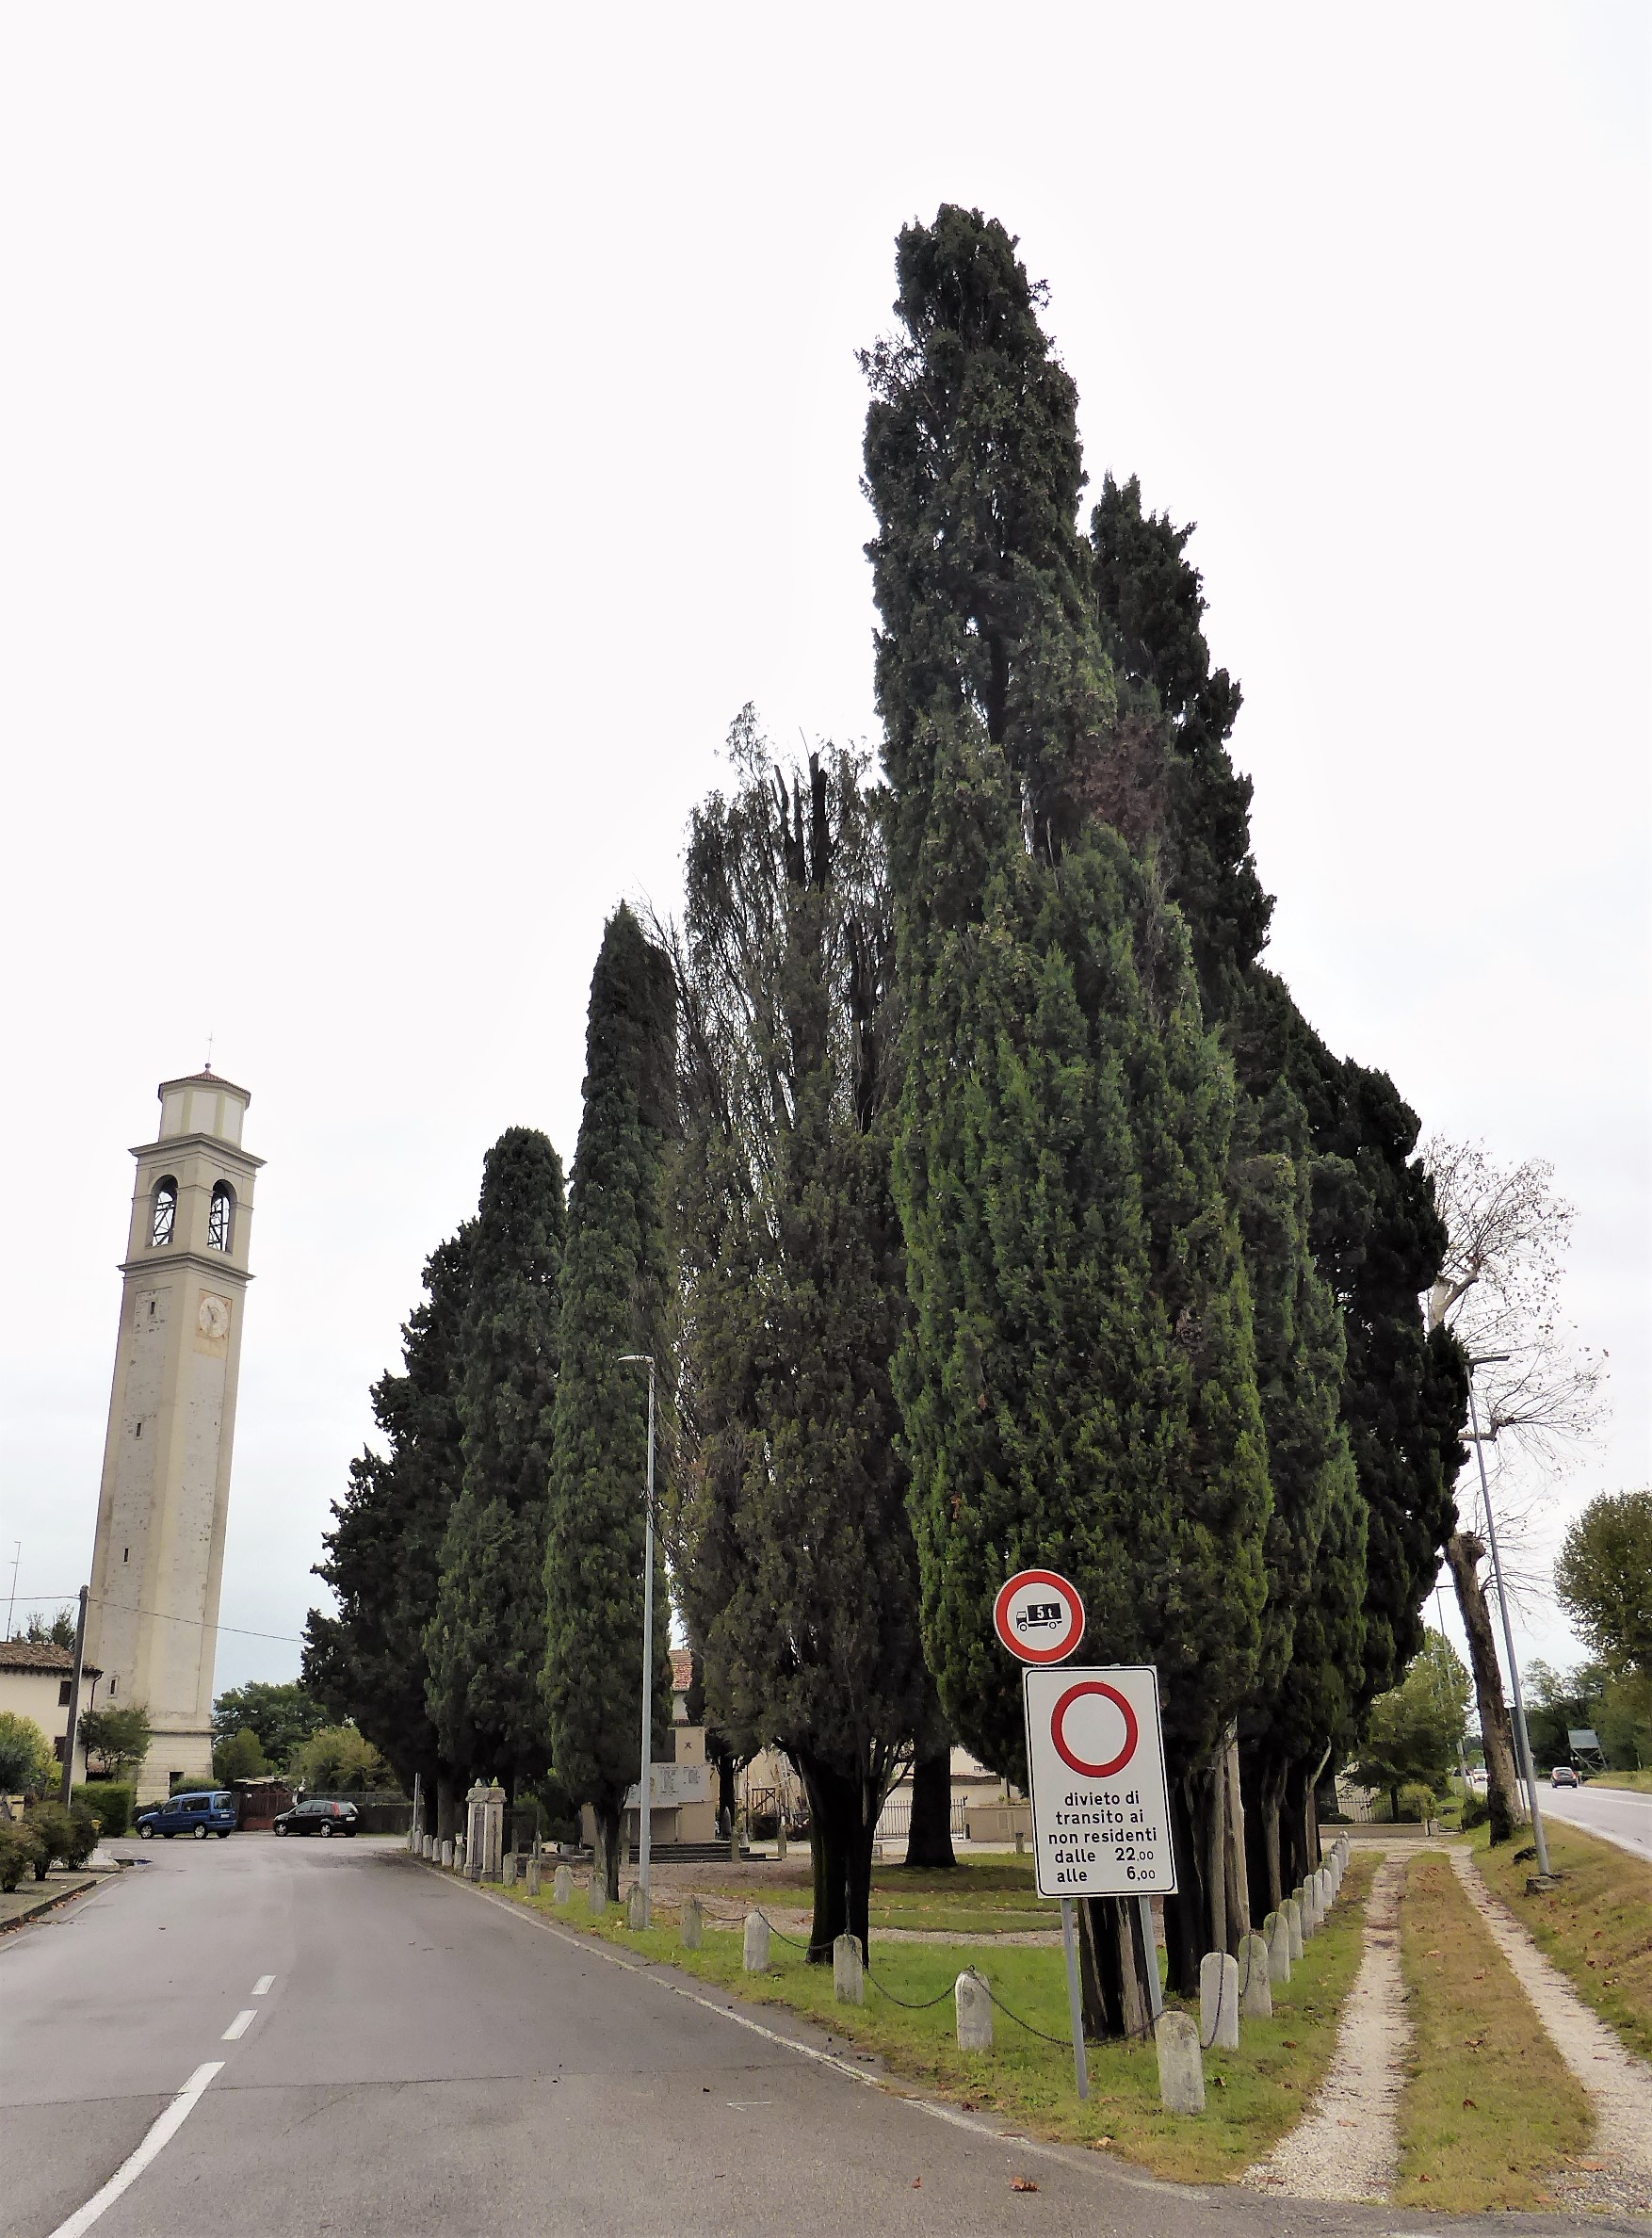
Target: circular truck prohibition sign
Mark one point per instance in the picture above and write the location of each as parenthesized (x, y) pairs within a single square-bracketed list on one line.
[(1039, 1616)]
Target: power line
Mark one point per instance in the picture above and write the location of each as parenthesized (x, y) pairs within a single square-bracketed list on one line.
[(161, 1616)]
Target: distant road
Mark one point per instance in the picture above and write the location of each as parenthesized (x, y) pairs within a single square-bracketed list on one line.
[(1616, 1814)]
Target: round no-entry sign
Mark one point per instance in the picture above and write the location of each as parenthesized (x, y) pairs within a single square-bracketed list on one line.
[(1039, 1616)]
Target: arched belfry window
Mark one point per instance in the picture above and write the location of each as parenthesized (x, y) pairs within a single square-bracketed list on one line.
[(220, 1216), (164, 1211)]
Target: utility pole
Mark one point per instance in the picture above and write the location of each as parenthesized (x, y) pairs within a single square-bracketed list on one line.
[(11, 1604), (1522, 1739), (68, 1787), (645, 1785)]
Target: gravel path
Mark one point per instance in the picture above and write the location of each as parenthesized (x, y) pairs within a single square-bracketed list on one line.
[(1619, 2085), (1346, 2145)]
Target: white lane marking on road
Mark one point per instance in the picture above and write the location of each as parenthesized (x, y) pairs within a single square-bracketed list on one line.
[(239, 2025), (263, 1985), (160, 2131), (1063, 2156)]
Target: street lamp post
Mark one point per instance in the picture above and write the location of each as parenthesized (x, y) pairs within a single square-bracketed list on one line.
[(1522, 1739), (645, 1789)]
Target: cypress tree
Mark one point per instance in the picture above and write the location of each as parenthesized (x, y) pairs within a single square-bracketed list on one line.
[(1375, 1234), (383, 1553), (805, 1584), (617, 1298), (485, 1640), (1080, 1389)]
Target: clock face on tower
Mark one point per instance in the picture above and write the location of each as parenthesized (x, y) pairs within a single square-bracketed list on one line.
[(214, 1317)]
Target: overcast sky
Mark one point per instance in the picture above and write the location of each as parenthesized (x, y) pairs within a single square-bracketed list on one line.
[(424, 428)]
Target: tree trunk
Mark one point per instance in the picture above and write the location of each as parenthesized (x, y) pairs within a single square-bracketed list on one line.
[(1115, 2000), (860, 1880), (727, 1801), (833, 1827), (1237, 1879), (929, 1843), (1264, 1776), (1187, 1914), (604, 1863), (448, 1827), (1464, 1553), (1299, 1825)]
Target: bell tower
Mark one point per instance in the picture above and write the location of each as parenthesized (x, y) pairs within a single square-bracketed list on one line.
[(151, 1624)]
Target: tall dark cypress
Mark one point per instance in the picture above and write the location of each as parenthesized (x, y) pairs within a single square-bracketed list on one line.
[(383, 1552), (1166, 778), (1081, 1386), (486, 1639), (617, 1298)]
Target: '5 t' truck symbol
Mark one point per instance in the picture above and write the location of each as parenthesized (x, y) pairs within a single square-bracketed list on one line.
[(1037, 1614)]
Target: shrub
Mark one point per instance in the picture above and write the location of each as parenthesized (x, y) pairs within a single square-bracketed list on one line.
[(110, 1804), (19, 1852), (338, 1761), (69, 1835), (241, 1757), (26, 1763), (1416, 1801), (120, 1738), (1475, 1811)]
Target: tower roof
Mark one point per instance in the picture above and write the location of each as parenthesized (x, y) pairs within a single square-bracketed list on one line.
[(205, 1078)]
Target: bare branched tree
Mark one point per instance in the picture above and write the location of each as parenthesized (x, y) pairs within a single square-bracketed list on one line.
[(1540, 1392)]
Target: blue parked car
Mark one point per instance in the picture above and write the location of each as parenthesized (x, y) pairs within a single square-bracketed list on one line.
[(212, 1811)]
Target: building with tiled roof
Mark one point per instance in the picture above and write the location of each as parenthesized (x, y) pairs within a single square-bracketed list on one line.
[(35, 1680)]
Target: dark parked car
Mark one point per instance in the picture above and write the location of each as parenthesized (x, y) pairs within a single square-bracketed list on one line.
[(212, 1811), (318, 1818), (1563, 1776)]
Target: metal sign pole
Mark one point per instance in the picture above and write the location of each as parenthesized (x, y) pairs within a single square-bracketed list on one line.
[(1075, 2001)]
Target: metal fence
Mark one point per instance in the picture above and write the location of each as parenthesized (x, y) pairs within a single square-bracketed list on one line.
[(896, 1822)]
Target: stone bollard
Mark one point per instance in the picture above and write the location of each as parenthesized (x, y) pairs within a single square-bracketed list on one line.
[(733, 1845), (445, 1860), (780, 1842), (848, 1978), (1020, 1842), (691, 1925), (1324, 1891), (432, 1847), (597, 1896), (974, 2013), (508, 1869), (1182, 2071), (636, 1909), (1219, 1994), (1278, 1949), (562, 1886), (535, 1875), (1255, 1996), (1290, 1912), (755, 1955), (1308, 1911)]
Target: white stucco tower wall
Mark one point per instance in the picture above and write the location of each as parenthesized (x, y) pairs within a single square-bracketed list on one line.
[(164, 1503)]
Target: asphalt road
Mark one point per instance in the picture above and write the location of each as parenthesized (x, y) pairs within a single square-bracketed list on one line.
[(1616, 1814), (376, 2049)]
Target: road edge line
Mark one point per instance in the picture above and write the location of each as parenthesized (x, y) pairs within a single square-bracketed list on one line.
[(1065, 2156), (160, 2132)]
